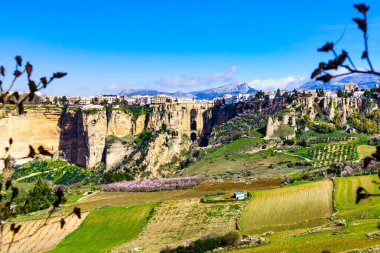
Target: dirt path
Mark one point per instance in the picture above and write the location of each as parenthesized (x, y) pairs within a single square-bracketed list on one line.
[(37, 173), (308, 160)]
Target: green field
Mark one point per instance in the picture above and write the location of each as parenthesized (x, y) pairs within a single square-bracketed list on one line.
[(106, 228), (351, 237), (290, 207), (242, 156), (346, 194)]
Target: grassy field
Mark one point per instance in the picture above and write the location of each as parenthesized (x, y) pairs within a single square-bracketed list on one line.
[(175, 222), (366, 151), (290, 207), (345, 196), (106, 228), (240, 156), (34, 237), (349, 238)]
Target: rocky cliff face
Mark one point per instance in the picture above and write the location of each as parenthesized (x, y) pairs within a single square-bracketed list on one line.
[(37, 127), (84, 134), (88, 136)]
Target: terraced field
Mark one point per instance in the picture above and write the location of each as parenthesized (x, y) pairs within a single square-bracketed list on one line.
[(288, 208), (35, 237), (175, 222), (345, 196), (106, 228)]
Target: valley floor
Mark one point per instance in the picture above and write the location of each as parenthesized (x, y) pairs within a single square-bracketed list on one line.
[(301, 218)]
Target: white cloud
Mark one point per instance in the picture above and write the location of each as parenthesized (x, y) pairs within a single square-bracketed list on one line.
[(289, 83), (191, 80)]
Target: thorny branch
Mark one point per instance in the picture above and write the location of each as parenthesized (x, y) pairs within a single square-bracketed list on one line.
[(323, 72), (7, 96)]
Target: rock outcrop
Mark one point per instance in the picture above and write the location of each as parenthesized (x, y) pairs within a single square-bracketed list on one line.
[(37, 127)]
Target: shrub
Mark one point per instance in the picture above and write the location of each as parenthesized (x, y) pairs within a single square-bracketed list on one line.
[(232, 238), (207, 243), (39, 198)]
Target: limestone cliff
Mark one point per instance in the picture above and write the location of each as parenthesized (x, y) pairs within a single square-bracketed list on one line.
[(37, 127), (90, 135), (84, 134)]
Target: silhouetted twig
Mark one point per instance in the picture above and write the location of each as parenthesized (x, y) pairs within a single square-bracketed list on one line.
[(323, 72)]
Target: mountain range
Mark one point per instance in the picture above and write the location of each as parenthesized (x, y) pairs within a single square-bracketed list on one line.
[(362, 80), (208, 94)]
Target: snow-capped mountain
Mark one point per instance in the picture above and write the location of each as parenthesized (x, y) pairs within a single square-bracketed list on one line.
[(209, 94), (233, 88), (362, 80)]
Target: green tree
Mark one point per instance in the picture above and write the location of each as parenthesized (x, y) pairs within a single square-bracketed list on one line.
[(260, 94), (340, 93), (278, 93), (39, 198), (320, 92), (376, 117), (284, 131)]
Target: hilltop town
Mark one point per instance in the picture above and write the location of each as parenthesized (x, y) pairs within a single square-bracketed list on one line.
[(350, 89)]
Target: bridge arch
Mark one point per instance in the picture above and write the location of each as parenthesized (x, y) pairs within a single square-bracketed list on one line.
[(193, 136), (193, 119)]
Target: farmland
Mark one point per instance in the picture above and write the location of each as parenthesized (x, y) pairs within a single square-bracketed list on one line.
[(106, 228), (35, 237), (289, 211), (346, 195), (289, 207), (129, 198), (175, 222), (347, 239), (324, 155)]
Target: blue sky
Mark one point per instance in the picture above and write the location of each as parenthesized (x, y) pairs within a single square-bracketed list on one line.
[(107, 46)]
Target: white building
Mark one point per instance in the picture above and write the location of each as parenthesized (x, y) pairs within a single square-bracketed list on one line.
[(84, 101), (160, 99), (110, 99)]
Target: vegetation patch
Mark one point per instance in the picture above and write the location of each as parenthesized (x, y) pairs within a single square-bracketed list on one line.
[(234, 160), (58, 172), (106, 228), (136, 111), (207, 243)]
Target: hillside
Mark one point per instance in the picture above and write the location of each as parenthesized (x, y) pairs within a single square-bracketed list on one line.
[(293, 213)]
